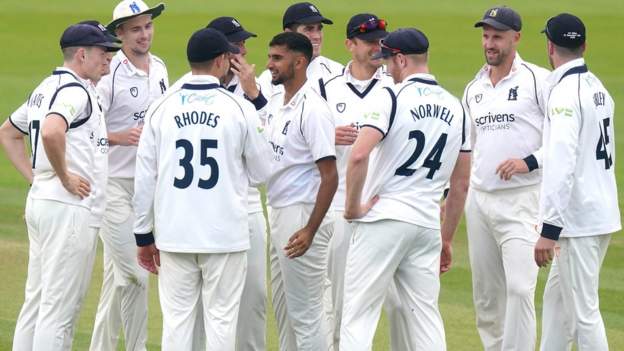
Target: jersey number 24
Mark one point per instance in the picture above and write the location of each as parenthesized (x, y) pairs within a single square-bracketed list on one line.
[(432, 161)]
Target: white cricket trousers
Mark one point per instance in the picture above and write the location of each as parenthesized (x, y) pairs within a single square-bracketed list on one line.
[(381, 253), (298, 284), (60, 246), (339, 247), (501, 241), (123, 297), (214, 280), (571, 312), (251, 329)]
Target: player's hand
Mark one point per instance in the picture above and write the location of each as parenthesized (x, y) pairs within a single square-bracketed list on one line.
[(346, 135), (510, 167), (544, 251), (76, 185), (351, 214), (446, 257), (299, 243), (129, 137), (246, 74), (149, 258)]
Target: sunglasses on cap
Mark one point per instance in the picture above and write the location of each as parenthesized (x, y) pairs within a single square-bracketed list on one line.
[(370, 25), (387, 50)]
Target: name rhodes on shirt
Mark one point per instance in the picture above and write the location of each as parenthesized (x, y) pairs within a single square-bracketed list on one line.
[(196, 117), (492, 122)]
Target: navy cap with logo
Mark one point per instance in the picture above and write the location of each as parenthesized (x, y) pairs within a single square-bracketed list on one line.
[(101, 27), (565, 30), (87, 35), (206, 44), (366, 26), (404, 41), (303, 13), (501, 18), (231, 28)]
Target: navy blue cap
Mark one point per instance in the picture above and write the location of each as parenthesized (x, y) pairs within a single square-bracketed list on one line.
[(366, 26), (231, 28), (206, 44), (565, 30), (501, 18), (87, 35), (101, 27), (303, 13), (404, 41)]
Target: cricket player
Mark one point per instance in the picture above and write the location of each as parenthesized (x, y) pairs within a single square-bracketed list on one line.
[(137, 78), (305, 18), (419, 130), (578, 204), (200, 149), (300, 129), (347, 95), (63, 120), (506, 108)]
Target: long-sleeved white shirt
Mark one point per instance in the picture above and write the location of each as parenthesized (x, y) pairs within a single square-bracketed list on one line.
[(579, 192), (200, 148)]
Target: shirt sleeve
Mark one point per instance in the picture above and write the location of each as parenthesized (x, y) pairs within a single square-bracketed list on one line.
[(466, 145), (145, 179), (256, 150), (536, 159), (70, 103), (104, 91), (560, 157), (380, 111), (19, 118), (318, 129)]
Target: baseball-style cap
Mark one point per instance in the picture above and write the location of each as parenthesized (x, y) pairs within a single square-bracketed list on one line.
[(127, 9), (87, 35), (206, 44), (565, 30), (366, 26), (231, 28), (501, 18), (404, 41), (101, 27), (304, 13)]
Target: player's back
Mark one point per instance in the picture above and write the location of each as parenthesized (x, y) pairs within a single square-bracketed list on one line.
[(418, 153), (205, 139)]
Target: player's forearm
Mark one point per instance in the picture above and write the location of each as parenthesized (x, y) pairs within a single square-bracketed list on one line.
[(456, 199), (16, 152), (115, 138), (356, 176), (53, 140), (325, 195)]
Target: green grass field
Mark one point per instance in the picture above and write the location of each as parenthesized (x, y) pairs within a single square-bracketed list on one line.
[(30, 30)]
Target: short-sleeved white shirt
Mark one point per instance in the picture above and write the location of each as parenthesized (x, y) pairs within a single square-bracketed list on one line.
[(348, 99), (126, 93), (424, 130), (63, 93), (301, 132)]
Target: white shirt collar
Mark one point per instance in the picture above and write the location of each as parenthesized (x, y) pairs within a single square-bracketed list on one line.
[(422, 76), (201, 79), (85, 82), (297, 98), (132, 69), (556, 75), (379, 73), (484, 72)]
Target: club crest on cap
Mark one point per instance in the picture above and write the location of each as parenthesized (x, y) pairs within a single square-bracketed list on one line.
[(493, 12), (235, 23), (313, 9), (134, 7)]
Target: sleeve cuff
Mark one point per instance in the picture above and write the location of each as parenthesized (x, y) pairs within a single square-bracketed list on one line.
[(144, 239), (259, 102), (531, 162), (445, 194), (550, 231)]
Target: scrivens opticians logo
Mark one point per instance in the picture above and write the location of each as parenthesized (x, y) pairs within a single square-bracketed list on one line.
[(495, 121)]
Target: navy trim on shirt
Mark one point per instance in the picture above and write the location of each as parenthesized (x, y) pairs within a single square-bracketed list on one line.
[(363, 94), (322, 89), (424, 81), (77, 123), (16, 127), (383, 135), (191, 86), (393, 98), (574, 70)]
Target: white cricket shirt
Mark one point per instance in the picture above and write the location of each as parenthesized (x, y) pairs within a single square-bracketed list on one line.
[(424, 129), (301, 132), (348, 98), (66, 94), (507, 122), (126, 93), (201, 146), (579, 192)]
